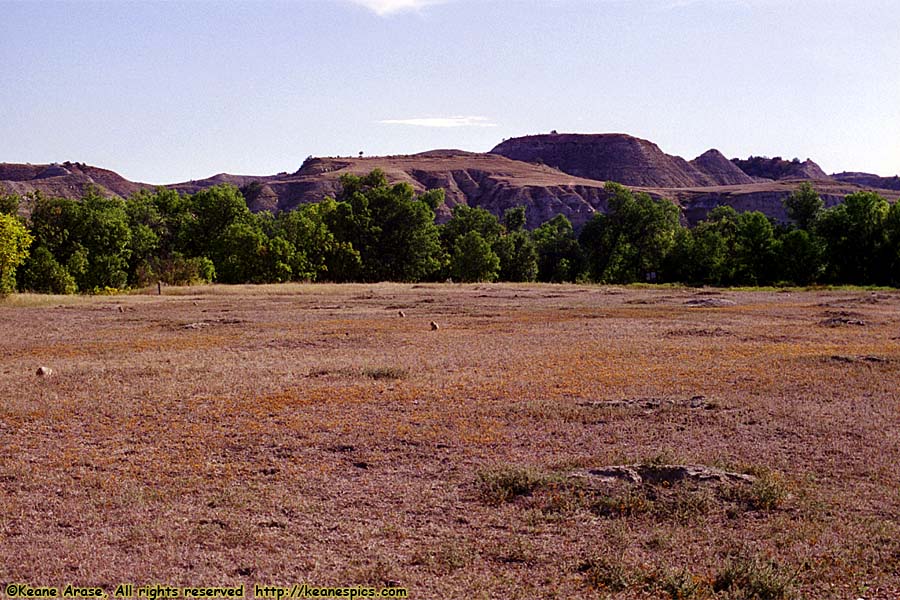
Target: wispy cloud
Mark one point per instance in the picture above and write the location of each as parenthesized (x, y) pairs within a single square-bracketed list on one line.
[(388, 7), (443, 122), (677, 4)]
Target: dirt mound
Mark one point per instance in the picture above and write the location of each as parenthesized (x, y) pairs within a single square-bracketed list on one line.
[(869, 180), (67, 180), (605, 157), (488, 181), (719, 170), (762, 167)]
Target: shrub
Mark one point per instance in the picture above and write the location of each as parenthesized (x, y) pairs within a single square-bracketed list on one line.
[(43, 273), (625, 504), (606, 574), (755, 579), (177, 270), (386, 373), (768, 492), (503, 484)]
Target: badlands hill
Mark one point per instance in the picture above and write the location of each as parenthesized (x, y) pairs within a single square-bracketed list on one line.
[(548, 174), (66, 180), (761, 168), (622, 158), (869, 180)]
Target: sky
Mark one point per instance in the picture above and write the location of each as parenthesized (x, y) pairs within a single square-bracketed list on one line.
[(169, 91)]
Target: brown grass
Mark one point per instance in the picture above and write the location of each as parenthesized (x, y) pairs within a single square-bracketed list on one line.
[(309, 434)]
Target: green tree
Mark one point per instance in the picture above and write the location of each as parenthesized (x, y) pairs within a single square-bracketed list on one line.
[(466, 219), (42, 273), (800, 257), (632, 239), (891, 253), (755, 249), (90, 239), (514, 219), (559, 256), (473, 259), (176, 269), (146, 224), (212, 211), (392, 230), (314, 244), (518, 257), (14, 242), (856, 239), (9, 204), (104, 240), (239, 253), (804, 206), (163, 225)]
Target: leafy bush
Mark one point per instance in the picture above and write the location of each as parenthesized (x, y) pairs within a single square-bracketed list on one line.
[(755, 579), (503, 484), (604, 573)]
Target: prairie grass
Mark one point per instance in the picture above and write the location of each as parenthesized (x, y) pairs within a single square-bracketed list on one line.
[(308, 433)]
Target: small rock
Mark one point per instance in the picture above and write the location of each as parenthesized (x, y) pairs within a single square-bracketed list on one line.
[(44, 372), (660, 474), (838, 321), (121, 309), (401, 313), (709, 302), (844, 359), (434, 326)]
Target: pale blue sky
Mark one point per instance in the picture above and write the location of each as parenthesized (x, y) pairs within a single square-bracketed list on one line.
[(168, 91)]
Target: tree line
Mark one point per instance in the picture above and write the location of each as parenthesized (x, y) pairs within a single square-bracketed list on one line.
[(373, 231)]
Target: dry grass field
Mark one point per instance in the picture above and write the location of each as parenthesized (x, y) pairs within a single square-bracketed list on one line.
[(309, 433)]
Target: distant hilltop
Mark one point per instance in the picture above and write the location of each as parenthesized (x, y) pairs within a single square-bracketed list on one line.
[(549, 174)]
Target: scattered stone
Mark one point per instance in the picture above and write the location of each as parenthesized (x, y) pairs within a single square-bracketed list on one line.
[(844, 359), (434, 326), (715, 332), (698, 401), (874, 298), (839, 321), (709, 302), (837, 318), (625, 402), (401, 313), (342, 448), (873, 359), (208, 323), (44, 372), (660, 474), (869, 358), (121, 308), (272, 524)]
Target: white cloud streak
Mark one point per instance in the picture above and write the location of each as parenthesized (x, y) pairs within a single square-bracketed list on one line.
[(384, 8), (443, 122)]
